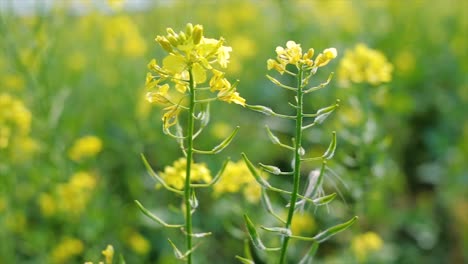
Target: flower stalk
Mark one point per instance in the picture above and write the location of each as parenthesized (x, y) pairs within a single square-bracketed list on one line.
[(306, 67), (297, 164), (186, 82), (187, 187)]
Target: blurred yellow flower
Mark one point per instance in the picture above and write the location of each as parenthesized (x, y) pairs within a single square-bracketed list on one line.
[(108, 254), (121, 35), (116, 4), (365, 244), (405, 62), (47, 204), (15, 120), (303, 224), (76, 61), (138, 243), (13, 82), (364, 65), (66, 250), (85, 147), (175, 175), (235, 178), (16, 222), (74, 195)]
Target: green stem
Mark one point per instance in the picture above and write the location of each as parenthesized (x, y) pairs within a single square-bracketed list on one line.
[(187, 188), (297, 164)]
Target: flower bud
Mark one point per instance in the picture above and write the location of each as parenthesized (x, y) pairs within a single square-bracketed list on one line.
[(165, 44), (197, 34), (173, 41), (170, 31), (189, 29)]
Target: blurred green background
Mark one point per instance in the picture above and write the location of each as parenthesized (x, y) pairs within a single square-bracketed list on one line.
[(72, 70)]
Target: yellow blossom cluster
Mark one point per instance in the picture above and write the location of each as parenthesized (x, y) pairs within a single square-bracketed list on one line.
[(191, 59), (121, 35), (175, 175), (292, 55), (85, 147), (237, 177), (67, 249), (364, 65), (15, 120), (365, 244), (71, 197), (138, 243)]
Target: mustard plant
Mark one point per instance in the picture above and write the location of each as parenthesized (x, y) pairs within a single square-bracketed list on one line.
[(189, 79), (291, 61)]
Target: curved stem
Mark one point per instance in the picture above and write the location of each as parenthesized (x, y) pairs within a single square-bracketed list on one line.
[(297, 164), (187, 188)]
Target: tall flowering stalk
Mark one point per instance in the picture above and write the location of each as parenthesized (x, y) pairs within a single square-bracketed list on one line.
[(186, 82), (290, 60)]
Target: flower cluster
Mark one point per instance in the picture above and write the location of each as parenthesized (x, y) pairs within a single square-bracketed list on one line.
[(191, 60), (85, 147), (70, 198), (237, 177), (175, 175), (67, 249), (15, 120), (364, 65), (292, 54), (366, 244)]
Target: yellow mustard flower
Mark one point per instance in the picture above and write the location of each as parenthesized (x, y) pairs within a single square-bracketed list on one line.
[(191, 55), (236, 178), (47, 204), (138, 243), (74, 195), (303, 224), (108, 254), (121, 35), (292, 55), (66, 250), (15, 124), (175, 175), (364, 65), (365, 244), (85, 147)]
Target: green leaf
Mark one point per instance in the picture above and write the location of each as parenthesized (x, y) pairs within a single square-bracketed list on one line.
[(196, 235), (177, 253), (244, 260), (274, 139), (255, 237), (324, 199), (254, 172), (310, 253), (271, 169), (154, 217), (215, 179), (281, 230), (121, 259), (331, 148), (225, 142), (323, 113), (324, 235), (266, 202), (155, 176), (262, 109)]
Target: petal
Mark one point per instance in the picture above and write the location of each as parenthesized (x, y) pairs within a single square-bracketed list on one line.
[(174, 63)]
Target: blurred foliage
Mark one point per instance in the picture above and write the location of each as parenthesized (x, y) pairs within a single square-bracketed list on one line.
[(76, 69)]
